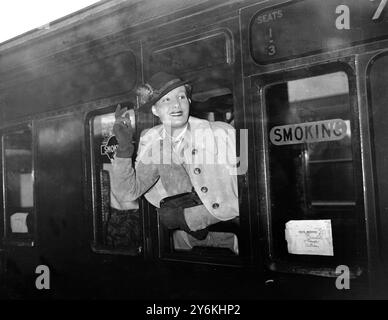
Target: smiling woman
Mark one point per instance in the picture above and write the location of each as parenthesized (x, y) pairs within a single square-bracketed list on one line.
[(18, 17), (173, 110)]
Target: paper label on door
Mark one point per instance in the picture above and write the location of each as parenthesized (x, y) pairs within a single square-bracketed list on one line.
[(310, 237)]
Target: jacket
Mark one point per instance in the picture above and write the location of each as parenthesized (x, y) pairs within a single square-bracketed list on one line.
[(208, 153)]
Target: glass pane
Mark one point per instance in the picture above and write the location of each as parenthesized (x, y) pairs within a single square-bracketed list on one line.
[(323, 190), (117, 224), (19, 179), (311, 167)]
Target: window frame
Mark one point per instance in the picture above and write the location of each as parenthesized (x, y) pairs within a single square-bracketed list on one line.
[(166, 252), (92, 189), (232, 65), (265, 215), (377, 187), (7, 239)]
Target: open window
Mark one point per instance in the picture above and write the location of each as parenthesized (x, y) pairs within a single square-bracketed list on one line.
[(315, 217), (211, 99), (117, 227), (18, 182), (206, 58)]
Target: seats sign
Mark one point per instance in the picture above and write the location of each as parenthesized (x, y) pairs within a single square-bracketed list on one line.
[(306, 27)]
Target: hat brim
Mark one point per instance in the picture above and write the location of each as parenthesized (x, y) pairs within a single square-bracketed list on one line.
[(148, 105)]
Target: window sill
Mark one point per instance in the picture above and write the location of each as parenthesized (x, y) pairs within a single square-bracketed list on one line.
[(329, 272), (18, 243), (101, 249), (203, 255)]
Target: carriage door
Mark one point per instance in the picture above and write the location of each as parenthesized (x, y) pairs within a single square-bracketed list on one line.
[(59, 200), (378, 102), (314, 210)]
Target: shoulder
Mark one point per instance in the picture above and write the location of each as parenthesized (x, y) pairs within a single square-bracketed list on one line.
[(205, 124), (219, 125), (148, 137)]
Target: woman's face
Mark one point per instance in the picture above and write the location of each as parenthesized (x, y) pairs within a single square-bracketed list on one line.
[(173, 108)]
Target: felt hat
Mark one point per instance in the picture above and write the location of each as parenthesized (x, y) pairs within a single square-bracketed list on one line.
[(158, 85)]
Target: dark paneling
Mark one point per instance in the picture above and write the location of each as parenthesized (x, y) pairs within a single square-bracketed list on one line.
[(62, 230), (193, 54), (290, 30), (71, 84), (79, 30), (378, 80)]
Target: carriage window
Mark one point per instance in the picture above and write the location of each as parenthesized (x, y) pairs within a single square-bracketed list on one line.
[(212, 99), (215, 104), (117, 225), (312, 184), (18, 178)]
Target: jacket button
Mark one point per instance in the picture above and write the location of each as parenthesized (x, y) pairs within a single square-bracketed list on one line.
[(194, 151), (215, 205), (204, 189), (197, 170)]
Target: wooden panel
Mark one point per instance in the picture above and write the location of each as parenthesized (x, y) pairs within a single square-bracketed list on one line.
[(378, 77), (60, 196), (287, 31), (73, 84), (192, 54)]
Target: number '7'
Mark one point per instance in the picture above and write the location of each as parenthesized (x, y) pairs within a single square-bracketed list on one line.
[(380, 9)]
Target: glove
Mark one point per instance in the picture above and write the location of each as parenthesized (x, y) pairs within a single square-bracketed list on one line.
[(173, 218), (123, 131)]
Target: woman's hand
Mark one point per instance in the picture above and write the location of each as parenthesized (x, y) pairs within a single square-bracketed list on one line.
[(123, 131)]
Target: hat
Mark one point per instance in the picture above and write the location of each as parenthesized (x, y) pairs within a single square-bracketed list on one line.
[(159, 84)]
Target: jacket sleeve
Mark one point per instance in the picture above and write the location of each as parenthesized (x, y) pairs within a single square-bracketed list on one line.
[(130, 183)]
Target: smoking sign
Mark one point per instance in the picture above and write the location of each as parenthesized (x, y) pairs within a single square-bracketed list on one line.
[(109, 147), (308, 132)]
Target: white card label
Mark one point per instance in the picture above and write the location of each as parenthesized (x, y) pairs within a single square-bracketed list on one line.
[(310, 237)]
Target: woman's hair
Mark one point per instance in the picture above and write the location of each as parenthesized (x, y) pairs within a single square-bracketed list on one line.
[(145, 93)]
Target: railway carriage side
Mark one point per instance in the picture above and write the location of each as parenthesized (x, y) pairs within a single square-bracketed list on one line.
[(302, 82)]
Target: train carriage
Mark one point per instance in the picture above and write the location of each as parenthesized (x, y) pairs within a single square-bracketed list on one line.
[(302, 82)]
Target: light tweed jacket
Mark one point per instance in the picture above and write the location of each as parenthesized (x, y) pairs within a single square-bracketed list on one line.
[(207, 151)]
